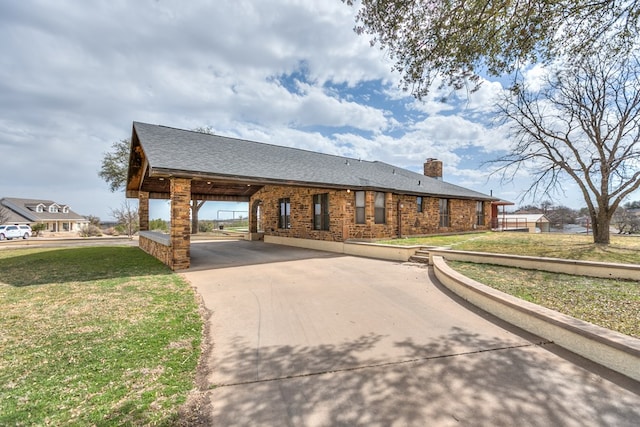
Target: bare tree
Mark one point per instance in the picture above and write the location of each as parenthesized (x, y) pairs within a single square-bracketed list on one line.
[(626, 221), (457, 39), (127, 216), (583, 125)]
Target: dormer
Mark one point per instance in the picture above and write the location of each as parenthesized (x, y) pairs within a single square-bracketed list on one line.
[(40, 207), (65, 209), (54, 208)]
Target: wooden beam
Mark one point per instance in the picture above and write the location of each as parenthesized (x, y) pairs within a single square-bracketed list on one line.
[(220, 198)]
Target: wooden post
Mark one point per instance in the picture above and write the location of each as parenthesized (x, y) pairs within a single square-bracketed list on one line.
[(180, 223)]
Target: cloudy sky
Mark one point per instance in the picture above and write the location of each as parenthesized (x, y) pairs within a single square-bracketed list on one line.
[(74, 74)]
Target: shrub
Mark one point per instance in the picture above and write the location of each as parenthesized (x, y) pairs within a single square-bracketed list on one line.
[(158, 225), (90, 231), (38, 228)]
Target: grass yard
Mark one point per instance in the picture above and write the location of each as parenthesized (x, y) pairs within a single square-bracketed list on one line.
[(103, 336), (613, 304), (623, 249)]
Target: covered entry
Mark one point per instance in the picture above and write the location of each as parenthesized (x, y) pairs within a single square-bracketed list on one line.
[(158, 170)]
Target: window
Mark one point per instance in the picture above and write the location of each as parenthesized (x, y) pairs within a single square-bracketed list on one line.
[(360, 203), (444, 212), (284, 212), (40, 209), (53, 209), (380, 210), (479, 213), (419, 203), (321, 212)]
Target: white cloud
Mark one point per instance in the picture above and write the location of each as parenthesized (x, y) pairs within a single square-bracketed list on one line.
[(535, 77), (74, 75)]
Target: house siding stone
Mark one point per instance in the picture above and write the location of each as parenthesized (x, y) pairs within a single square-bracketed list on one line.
[(157, 250), (399, 209), (180, 223)]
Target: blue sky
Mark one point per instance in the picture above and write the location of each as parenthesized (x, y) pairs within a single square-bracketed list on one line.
[(75, 74)]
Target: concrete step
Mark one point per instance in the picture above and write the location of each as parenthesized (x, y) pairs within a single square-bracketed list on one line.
[(422, 259)]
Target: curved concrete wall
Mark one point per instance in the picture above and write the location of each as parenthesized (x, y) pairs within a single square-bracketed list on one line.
[(369, 250), (555, 265), (616, 351)]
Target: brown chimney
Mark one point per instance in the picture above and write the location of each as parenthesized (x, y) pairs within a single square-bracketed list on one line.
[(433, 168)]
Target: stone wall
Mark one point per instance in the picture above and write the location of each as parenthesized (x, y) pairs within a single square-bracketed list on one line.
[(342, 215), (156, 249)]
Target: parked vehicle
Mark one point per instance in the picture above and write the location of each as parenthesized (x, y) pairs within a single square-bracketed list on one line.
[(15, 231)]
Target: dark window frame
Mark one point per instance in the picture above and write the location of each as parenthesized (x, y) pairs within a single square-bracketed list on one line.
[(361, 217), (321, 212), (284, 213), (444, 212), (380, 216), (420, 203), (480, 213)]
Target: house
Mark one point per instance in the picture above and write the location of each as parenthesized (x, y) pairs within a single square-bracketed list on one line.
[(292, 193), (58, 218), (532, 223)]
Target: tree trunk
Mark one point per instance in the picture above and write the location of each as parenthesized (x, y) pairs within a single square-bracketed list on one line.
[(601, 233)]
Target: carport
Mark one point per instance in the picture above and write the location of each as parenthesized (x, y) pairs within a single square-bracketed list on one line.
[(185, 189)]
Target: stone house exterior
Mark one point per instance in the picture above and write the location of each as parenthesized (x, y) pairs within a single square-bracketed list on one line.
[(400, 215), (291, 192)]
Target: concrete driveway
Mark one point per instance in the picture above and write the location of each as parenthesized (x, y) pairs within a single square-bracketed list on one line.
[(306, 338)]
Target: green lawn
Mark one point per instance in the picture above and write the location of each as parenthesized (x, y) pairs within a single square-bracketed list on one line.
[(613, 304), (623, 249), (94, 336)]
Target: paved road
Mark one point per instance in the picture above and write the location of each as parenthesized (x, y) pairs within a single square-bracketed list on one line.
[(39, 242), (306, 338)]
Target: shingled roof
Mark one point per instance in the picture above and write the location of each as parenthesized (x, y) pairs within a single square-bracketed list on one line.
[(167, 151), (26, 210)]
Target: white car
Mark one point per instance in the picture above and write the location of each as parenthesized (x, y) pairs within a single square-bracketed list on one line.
[(15, 232)]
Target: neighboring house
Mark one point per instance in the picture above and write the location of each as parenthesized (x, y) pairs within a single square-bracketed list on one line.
[(294, 193), (56, 217), (533, 223)]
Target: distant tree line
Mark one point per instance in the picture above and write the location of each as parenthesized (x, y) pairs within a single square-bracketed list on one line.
[(627, 218)]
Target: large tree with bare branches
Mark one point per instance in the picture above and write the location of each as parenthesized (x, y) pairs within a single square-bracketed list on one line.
[(582, 125), (456, 40)]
